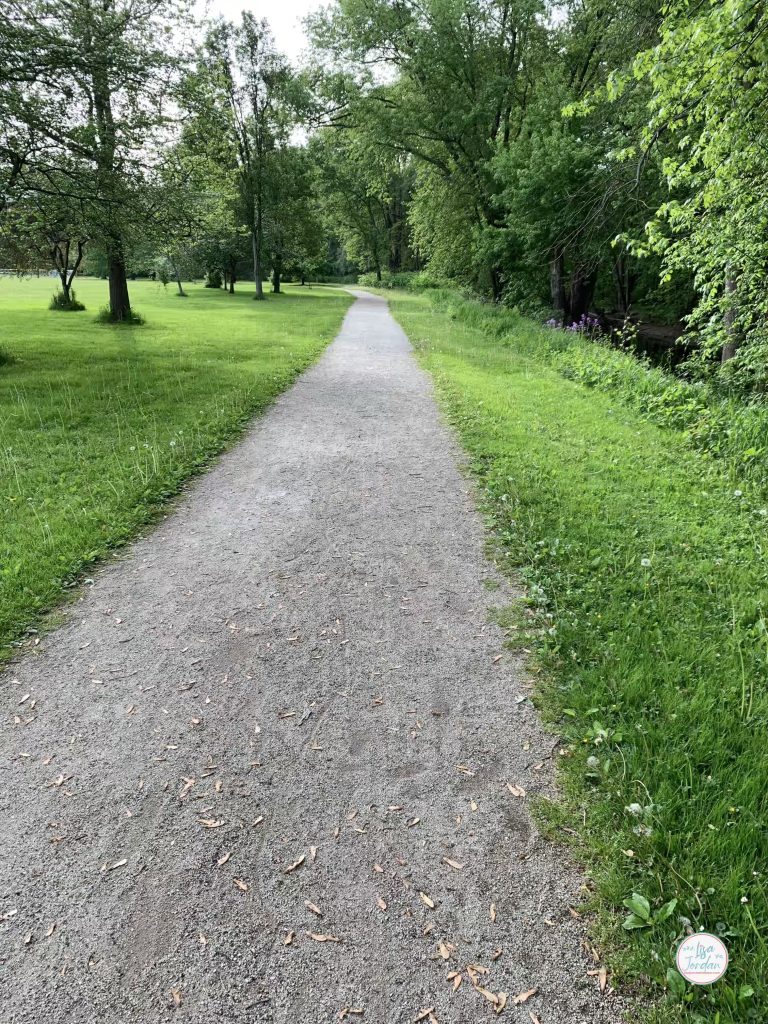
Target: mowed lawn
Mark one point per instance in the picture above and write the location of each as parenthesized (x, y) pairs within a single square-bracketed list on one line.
[(647, 590), (99, 425)]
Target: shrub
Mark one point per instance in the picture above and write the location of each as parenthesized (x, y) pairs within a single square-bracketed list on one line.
[(65, 304), (408, 280), (213, 279)]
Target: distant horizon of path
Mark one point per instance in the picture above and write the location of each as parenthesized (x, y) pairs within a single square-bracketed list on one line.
[(276, 764)]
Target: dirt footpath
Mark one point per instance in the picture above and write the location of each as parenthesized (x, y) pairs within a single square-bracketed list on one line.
[(277, 766)]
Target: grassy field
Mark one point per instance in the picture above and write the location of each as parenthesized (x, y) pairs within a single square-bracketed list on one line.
[(99, 424), (646, 580)]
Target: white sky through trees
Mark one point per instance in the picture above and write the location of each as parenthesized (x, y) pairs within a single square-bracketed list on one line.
[(285, 18)]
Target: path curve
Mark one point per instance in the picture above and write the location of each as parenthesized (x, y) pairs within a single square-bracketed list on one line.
[(295, 668)]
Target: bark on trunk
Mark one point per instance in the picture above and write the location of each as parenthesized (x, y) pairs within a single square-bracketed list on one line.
[(583, 283), (497, 288), (557, 284), (276, 273), (255, 242), (119, 301), (732, 344)]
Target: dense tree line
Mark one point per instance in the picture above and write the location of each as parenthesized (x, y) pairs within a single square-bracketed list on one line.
[(557, 158)]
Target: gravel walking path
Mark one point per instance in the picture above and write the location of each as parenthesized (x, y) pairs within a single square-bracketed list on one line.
[(276, 765)]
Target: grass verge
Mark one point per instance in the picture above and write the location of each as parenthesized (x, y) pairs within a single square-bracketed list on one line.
[(99, 425), (647, 591)]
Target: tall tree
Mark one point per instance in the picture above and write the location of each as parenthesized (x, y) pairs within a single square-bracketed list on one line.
[(83, 112), (709, 99), (462, 73), (243, 90)]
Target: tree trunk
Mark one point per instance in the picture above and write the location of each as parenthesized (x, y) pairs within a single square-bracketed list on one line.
[(232, 266), (621, 277), (119, 301), (64, 278), (583, 283), (496, 284), (731, 346), (178, 281), (276, 270), (557, 284), (255, 240)]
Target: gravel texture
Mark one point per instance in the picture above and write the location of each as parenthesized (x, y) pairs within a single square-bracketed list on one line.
[(297, 663)]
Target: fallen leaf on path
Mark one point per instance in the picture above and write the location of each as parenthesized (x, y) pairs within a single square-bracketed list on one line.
[(289, 938), (501, 1001), (243, 886), (224, 858), (313, 908), (427, 901), (323, 938), (312, 853), (496, 953), (117, 864), (523, 997), (490, 996), (258, 820), (534, 1018), (378, 868), (51, 930), (177, 996), (380, 903), (453, 864), (358, 1011), (455, 977), (203, 940), (515, 790), (464, 769), (473, 805), (413, 821), (423, 1014), (296, 864), (497, 658), (492, 912), (210, 822), (188, 784), (446, 950)]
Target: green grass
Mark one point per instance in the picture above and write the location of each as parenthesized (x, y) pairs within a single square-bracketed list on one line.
[(646, 606), (99, 425)]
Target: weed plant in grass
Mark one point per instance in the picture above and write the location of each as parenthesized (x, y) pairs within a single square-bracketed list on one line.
[(100, 424), (647, 593)]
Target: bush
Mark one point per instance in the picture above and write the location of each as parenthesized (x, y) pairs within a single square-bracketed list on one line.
[(408, 280), (105, 317), (65, 304), (726, 427), (213, 279)]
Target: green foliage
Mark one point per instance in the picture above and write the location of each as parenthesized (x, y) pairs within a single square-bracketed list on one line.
[(404, 279), (708, 79), (65, 303), (646, 607), (100, 426)]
